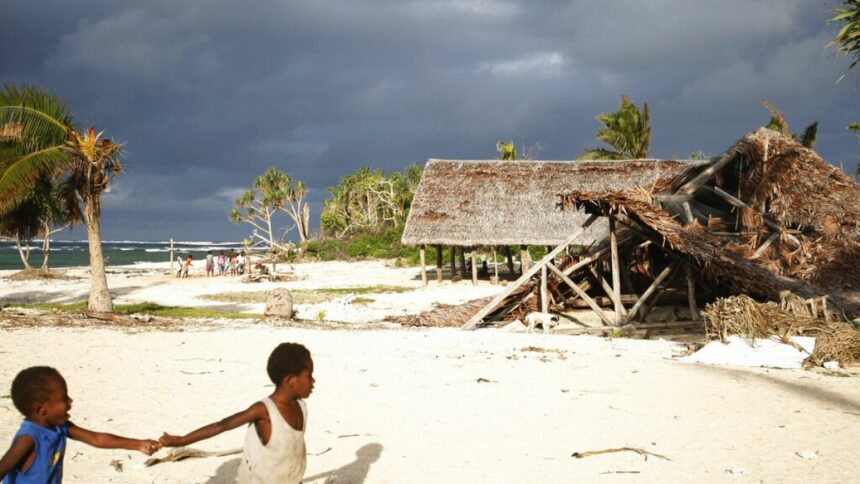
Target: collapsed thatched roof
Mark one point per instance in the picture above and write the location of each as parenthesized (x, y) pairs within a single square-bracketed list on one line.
[(801, 194), (492, 202)]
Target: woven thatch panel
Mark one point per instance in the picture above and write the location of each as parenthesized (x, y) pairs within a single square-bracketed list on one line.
[(491, 202)]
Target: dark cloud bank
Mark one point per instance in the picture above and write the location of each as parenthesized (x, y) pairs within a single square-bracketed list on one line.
[(209, 93)]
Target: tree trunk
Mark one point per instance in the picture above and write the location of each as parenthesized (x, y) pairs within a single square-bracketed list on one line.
[(100, 301), (462, 256), (510, 258), (24, 252), (46, 247)]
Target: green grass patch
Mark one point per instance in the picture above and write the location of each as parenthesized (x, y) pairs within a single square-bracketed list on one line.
[(308, 296), (362, 300), (146, 308)]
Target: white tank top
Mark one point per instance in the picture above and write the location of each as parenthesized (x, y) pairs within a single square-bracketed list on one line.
[(282, 459)]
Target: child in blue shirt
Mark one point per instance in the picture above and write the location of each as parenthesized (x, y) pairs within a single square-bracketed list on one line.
[(36, 454)]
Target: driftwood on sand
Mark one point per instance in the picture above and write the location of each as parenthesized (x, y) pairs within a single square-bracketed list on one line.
[(181, 453)]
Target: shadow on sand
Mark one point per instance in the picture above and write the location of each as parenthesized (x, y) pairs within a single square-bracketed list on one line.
[(353, 473)]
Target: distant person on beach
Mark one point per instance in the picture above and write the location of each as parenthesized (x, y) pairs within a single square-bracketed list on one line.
[(244, 263), (234, 263), (179, 269), (210, 264), (187, 266), (221, 263), (36, 455), (229, 268), (274, 448)]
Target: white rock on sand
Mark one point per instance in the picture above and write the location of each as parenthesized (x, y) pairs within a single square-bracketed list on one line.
[(417, 406)]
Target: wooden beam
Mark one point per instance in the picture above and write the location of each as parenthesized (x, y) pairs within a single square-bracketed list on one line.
[(462, 256), (495, 266), (734, 201), (524, 258), (691, 293), (579, 292), (474, 320), (692, 185), (763, 247), (655, 298), (474, 267), (653, 287), (616, 269), (544, 296), (608, 289), (438, 263), (423, 266), (453, 262)]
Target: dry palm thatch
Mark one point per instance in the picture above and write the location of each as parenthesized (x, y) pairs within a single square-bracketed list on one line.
[(492, 202), (443, 315), (743, 316)]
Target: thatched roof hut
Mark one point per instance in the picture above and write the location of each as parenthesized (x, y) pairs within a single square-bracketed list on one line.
[(492, 202)]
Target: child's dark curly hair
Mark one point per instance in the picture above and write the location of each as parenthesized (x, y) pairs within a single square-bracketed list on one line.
[(32, 385), (287, 359)]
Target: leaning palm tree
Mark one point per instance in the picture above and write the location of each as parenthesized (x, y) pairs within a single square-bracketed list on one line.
[(47, 143), (627, 131)]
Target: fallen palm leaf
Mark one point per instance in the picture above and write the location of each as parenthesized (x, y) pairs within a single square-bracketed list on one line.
[(580, 455), (182, 453)]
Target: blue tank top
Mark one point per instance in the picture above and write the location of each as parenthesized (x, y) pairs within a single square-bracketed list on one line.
[(50, 446)]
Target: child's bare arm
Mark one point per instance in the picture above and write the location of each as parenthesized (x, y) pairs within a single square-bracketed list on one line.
[(251, 414), (109, 441), (21, 447)]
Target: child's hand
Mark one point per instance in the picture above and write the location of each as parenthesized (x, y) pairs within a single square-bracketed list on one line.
[(168, 440), (149, 447)]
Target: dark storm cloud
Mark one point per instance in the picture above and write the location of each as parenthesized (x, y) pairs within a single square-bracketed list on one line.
[(208, 94)]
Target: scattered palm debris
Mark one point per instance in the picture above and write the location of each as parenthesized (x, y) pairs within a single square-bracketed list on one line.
[(642, 452), (181, 453), (443, 315)]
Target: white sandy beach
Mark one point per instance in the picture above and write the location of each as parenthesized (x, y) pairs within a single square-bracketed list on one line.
[(429, 405)]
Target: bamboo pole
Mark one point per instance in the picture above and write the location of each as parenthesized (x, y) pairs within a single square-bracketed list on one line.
[(423, 266), (171, 258), (544, 302), (616, 270), (438, 263)]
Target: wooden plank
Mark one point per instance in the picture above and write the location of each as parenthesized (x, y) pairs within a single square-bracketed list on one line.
[(423, 266), (579, 292), (616, 269), (653, 287), (471, 323), (544, 296), (691, 293)]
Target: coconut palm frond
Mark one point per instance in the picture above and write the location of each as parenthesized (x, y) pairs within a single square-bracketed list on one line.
[(17, 175), (600, 154), (507, 151), (809, 136), (847, 40), (777, 120), (627, 130), (39, 118)]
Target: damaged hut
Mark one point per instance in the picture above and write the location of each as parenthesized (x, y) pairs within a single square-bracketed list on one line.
[(474, 206), (768, 218)]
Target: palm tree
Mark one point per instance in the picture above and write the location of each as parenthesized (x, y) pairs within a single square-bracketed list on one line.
[(627, 130), (507, 151), (779, 123), (847, 40), (49, 144)]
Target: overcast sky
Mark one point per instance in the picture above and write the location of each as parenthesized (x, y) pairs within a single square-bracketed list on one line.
[(207, 94)]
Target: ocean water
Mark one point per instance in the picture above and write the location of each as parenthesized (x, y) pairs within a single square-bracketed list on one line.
[(72, 253)]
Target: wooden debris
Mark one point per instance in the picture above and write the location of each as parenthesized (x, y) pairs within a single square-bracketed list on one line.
[(580, 455), (181, 453)]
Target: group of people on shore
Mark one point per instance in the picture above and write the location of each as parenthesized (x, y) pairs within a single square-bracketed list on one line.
[(233, 264)]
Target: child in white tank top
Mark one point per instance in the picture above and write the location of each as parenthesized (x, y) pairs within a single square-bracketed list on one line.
[(275, 442)]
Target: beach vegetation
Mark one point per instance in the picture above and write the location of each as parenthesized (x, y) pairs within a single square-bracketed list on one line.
[(847, 40), (626, 131), (306, 296), (46, 142), (149, 308), (273, 191)]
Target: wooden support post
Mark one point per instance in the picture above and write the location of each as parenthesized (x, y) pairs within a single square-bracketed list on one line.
[(579, 292), (474, 320), (509, 258), (495, 266), (653, 287), (616, 269), (438, 263), (607, 289), (172, 272), (691, 294), (423, 266), (474, 267), (453, 263), (462, 255), (544, 295), (524, 259)]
